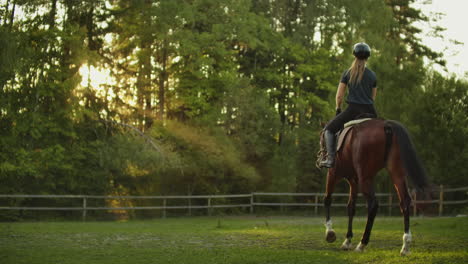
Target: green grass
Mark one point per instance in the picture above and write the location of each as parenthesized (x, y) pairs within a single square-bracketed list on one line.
[(239, 240)]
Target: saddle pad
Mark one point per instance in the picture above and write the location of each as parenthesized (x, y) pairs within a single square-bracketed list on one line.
[(342, 137), (355, 122), (347, 127)]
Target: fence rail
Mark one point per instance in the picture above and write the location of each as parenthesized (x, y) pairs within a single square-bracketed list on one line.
[(209, 206)]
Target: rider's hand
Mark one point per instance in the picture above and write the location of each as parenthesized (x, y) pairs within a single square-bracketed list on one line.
[(338, 111)]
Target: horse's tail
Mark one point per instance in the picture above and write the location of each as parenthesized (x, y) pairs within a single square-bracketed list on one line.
[(409, 157)]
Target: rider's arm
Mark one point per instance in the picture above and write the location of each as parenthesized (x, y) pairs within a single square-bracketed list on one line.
[(374, 93), (340, 93)]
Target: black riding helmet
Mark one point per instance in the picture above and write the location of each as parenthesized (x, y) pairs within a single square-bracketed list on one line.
[(361, 50)]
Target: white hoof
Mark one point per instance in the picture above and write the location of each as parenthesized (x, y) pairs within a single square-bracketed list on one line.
[(330, 235), (346, 244), (406, 243), (360, 247), (404, 251)]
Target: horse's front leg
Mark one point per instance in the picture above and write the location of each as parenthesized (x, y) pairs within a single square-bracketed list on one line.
[(372, 207), (351, 212), (330, 235)]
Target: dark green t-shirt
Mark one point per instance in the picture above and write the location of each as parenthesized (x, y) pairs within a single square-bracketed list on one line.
[(360, 92)]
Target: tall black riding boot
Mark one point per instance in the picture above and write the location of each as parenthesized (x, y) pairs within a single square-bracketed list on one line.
[(331, 150)]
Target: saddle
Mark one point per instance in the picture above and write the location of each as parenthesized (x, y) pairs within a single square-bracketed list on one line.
[(340, 139)]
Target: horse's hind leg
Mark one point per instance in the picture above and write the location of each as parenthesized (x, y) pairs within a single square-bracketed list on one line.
[(351, 211), (405, 203), (399, 181), (372, 207), (330, 233)]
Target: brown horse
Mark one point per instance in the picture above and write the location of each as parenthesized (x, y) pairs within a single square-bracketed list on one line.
[(369, 147)]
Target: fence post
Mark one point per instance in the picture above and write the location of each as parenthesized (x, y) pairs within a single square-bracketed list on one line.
[(441, 200), (209, 206), (414, 202), (164, 208), (316, 205), (190, 207), (390, 204), (84, 209), (251, 203)]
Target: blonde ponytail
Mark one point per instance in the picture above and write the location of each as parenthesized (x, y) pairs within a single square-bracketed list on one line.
[(357, 70)]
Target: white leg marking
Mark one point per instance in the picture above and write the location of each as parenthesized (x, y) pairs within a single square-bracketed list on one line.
[(346, 244), (360, 247), (328, 226), (407, 237)]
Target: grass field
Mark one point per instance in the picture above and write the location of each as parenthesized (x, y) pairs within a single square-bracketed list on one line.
[(239, 240)]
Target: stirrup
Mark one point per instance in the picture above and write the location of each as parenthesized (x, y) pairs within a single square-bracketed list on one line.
[(327, 163)]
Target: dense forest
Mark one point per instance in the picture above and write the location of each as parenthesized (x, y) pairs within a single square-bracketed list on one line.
[(207, 96)]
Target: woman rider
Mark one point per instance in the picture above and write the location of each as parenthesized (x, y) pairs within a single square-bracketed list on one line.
[(362, 86)]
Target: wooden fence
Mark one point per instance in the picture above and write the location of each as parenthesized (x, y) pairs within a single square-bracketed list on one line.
[(251, 201)]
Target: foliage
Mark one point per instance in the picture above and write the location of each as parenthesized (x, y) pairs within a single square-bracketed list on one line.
[(205, 96), (202, 161), (441, 133)]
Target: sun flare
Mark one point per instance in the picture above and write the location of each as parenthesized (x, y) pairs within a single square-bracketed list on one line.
[(94, 77)]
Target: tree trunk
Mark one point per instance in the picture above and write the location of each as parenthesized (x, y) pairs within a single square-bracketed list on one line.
[(12, 15), (162, 80), (53, 12)]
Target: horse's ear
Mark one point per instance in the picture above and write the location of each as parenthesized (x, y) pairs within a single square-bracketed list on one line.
[(323, 124)]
